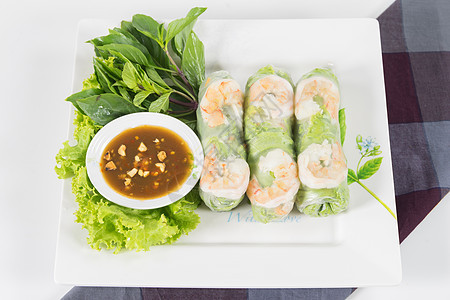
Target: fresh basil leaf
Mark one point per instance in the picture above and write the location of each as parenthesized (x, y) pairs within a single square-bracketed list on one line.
[(101, 53), (161, 32), (81, 95), (148, 84), (129, 76), (342, 125), (153, 75), (140, 97), (179, 41), (161, 104), (108, 68), (148, 26), (190, 123), (178, 25), (351, 177), (130, 52), (104, 108), (124, 93), (122, 38), (156, 52), (103, 79), (193, 61), (136, 78), (369, 168)]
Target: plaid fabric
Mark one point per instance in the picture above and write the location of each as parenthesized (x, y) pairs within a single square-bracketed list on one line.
[(415, 39), (415, 36)]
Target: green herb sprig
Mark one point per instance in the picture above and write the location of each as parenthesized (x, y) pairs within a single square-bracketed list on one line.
[(367, 147), (144, 66)]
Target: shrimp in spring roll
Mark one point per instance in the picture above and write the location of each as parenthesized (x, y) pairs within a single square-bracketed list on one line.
[(322, 166), (269, 113), (225, 174)]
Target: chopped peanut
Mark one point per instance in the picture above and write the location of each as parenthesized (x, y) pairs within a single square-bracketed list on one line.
[(127, 181), (162, 155), (155, 141), (161, 166), (110, 166), (155, 173), (146, 173), (142, 147), (137, 158), (107, 156), (132, 172), (121, 150)]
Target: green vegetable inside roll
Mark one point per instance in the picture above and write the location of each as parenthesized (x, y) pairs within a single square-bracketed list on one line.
[(321, 162), (225, 174), (269, 113)]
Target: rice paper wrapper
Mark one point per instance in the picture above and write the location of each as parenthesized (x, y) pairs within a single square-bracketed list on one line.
[(220, 128), (268, 134), (321, 162)]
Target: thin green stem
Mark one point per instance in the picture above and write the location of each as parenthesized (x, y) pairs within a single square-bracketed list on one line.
[(181, 113), (164, 69), (376, 197), (359, 162), (174, 80), (183, 94), (181, 103), (180, 73)]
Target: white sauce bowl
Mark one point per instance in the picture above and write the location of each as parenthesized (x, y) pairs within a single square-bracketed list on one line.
[(117, 126)]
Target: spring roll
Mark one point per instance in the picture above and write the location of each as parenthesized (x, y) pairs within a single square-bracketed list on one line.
[(322, 167), (225, 173), (269, 114)]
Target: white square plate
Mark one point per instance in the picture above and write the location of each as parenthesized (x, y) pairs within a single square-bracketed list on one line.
[(357, 248)]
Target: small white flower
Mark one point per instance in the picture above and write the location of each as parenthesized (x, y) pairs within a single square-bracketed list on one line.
[(368, 144)]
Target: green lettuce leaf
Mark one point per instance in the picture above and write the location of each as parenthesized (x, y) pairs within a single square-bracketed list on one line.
[(323, 202), (320, 129), (109, 225), (265, 215), (91, 83), (70, 158), (219, 203), (267, 141), (322, 72)]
